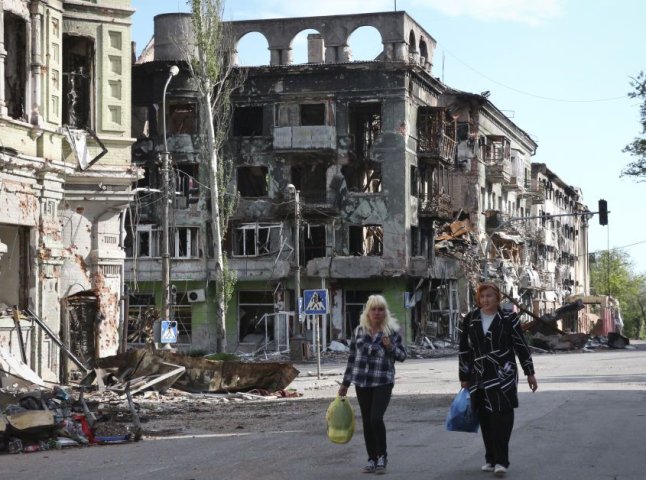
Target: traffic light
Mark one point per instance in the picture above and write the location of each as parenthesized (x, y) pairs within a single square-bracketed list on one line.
[(603, 212)]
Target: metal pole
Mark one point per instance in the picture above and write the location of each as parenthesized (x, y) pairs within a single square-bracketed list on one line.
[(317, 345), (297, 252), (165, 157)]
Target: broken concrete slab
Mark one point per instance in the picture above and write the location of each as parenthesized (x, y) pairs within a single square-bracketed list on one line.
[(14, 370)]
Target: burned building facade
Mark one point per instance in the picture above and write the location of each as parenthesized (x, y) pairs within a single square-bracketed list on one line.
[(358, 177), (65, 178)]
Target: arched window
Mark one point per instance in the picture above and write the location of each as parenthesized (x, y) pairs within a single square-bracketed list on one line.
[(253, 50), (365, 44)]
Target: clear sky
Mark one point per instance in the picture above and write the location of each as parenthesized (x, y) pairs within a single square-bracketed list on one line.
[(560, 69)]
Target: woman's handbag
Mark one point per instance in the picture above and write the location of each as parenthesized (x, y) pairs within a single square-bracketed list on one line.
[(462, 417), (340, 420)]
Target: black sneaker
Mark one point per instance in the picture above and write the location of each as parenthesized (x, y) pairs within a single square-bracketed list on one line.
[(381, 464), (370, 466)]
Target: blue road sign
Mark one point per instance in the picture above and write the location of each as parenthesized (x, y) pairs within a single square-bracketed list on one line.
[(315, 301), (168, 331)]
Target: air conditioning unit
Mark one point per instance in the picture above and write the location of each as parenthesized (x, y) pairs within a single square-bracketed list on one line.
[(196, 296)]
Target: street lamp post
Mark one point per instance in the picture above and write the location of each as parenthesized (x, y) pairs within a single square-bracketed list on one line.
[(297, 241), (165, 157)]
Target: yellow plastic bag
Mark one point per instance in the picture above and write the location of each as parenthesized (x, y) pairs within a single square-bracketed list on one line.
[(340, 420)]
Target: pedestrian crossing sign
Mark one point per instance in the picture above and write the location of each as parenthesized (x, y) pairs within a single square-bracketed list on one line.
[(315, 301), (168, 331)]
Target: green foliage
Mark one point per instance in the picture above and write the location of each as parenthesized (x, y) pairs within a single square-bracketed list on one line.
[(611, 273), (637, 148)]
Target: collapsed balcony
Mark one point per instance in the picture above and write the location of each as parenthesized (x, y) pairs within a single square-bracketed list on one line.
[(436, 132)]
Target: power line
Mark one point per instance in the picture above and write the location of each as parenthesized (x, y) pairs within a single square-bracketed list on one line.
[(529, 94)]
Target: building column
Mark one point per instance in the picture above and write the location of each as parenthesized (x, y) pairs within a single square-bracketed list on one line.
[(35, 116), (3, 54)]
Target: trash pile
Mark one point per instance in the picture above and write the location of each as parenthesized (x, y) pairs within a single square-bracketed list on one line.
[(46, 419)]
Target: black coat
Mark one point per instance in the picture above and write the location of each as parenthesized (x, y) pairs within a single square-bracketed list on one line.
[(488, 361)]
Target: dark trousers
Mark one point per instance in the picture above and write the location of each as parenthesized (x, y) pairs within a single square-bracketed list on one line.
[(373, 402), (496, 430)]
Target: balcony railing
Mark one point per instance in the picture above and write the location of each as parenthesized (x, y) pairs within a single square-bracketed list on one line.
[(498, 172), (436, 206), (309, 137), (442, 147)]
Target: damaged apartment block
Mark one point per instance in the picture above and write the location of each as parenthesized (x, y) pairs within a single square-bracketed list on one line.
[(357, 176), (65, 180)]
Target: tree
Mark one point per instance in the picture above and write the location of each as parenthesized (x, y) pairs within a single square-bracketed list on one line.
[(611, 274), (637, 148), (208, 56)]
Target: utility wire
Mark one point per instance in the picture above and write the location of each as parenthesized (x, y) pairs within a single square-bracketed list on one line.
[(541, 97)]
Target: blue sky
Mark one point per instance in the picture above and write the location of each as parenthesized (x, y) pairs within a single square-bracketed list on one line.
[(560, 68)]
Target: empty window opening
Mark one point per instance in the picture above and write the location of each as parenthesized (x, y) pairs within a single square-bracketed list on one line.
[(187, 185), (253, 181), (414, 180), (314, 243), (312, 114), (252, 240), (78, 81), (182, 119), (497, 149), (247, 121), (365, 128), (363, 176), (414, 242), (252, 307), (355, 301), (186, 242), (15, 64), (366, 240), (310, 180)]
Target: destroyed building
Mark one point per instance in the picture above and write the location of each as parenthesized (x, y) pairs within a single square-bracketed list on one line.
[(65, 179), (358, 177)]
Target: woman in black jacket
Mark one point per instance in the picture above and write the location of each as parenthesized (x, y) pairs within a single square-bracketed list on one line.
[(490, 340)]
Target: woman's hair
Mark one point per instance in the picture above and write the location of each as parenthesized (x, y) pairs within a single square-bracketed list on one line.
[(488, 286), (390, 324)]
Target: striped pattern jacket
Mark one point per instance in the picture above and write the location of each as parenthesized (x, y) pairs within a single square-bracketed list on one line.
[(488, 361), (370, 364)]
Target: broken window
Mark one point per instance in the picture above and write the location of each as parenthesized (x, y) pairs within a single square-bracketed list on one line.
[(313, 243), (366, 240), (247, 121), (497, 149), (183, 316), (141, 315), (355, 301), (365, 127), (187, 191), (414, 242), (185, 244), (148, 241), (252, 307), (414, 181), (78, 81), (252, 240), (253, 181), (310, 180), (15, 64), (363, 177), (462, 131), (312, 114), (182, 119)]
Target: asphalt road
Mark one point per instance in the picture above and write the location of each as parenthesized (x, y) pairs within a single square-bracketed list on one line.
[(586, 421)]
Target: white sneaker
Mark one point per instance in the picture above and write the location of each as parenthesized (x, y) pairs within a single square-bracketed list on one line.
[(500, 471), (487, 467)]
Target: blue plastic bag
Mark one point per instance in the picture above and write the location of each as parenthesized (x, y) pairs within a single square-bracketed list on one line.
[(462, 417)]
